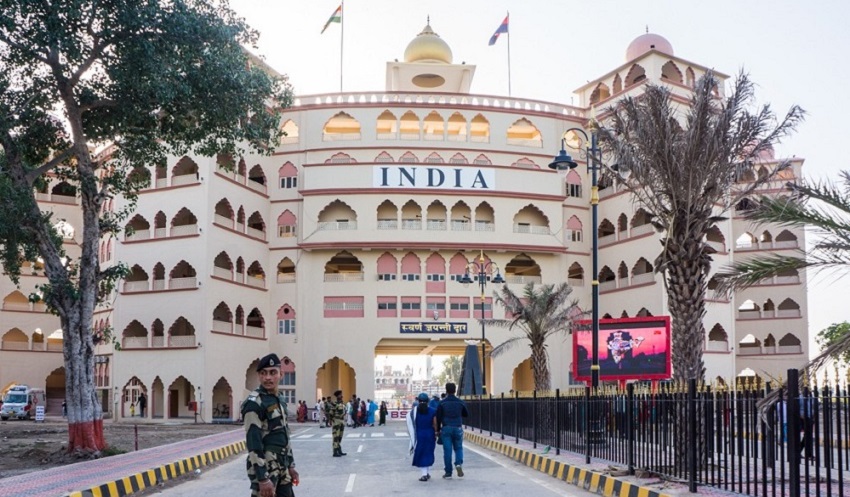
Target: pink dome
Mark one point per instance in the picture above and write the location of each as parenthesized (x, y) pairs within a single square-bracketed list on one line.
[(646, 42)]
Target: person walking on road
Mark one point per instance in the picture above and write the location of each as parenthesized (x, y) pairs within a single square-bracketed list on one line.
[(450, 416), (271, 466), (337, 413), (382, 417), (422, 428)]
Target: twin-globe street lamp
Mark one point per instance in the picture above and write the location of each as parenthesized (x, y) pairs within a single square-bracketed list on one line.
[(482, 271), (575, 138)]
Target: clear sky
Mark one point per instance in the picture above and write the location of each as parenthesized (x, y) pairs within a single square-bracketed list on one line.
[(796, 52)]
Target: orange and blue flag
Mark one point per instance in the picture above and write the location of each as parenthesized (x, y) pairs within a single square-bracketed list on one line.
[(503, 28)]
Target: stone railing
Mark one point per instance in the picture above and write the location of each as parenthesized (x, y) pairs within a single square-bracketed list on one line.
[(180, 283), (134, 342), (223, 272), (286, 277), (254, 331), (11, 345), (138, 235), (485, 226), (255, 233), (17, 306), (575, 282), (222, 326), (387, 224), (336, 225), (522, 280), (256, 281), (717, 346), (411, 224), (639, 279), (256, 186), (136, 286), (785, 244), (436, 224), (529, 229), (185, 229), (223, 220), (184, 179), (461, 225), (340, 277), (182, 341), (343, 306)]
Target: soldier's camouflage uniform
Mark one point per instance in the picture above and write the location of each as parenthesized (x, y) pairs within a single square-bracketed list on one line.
[(338, 420), (267, 438)]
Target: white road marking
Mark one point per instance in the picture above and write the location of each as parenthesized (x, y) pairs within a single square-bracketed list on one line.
[(377, 434), (512, 468), (360, 448), (353, 435), (349, 487), (401, 434), (327, 436), (309, 435)]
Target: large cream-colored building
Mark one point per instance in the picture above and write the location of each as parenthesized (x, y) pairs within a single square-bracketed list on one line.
[(347, 242)]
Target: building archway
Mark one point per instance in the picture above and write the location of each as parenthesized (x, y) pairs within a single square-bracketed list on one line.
[(156, 400), (222, 401), (180, 393), (523, 377), (54, 387), (335, 374)]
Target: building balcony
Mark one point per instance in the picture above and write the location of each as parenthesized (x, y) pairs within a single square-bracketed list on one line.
[(523, 280), (336, 225), (531, 229), (286, 277)]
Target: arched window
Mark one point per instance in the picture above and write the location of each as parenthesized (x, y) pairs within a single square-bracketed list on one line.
[(286, 320), (601, 92), (222, 318), (137, 229), (530, 219), (286, 271), (411, 267), (185, 171), (606, 228), (436, 216), (435, 274), (670, 71), (387, 215), (387, 126), (287, 224), (484, 217), (690, 78), (341, 127), (574, 230), (288, 176), (456, 130), (256, 226), (479, 129), (636, 75), (409, 128), (224, 213), (411, 216), (387, 267), (575, 275), (184, 223), (523, 133), (223, 266), (461, 217), (290, 130), (257, 178), (482, 160), (181, 334), (457, 267), (434, 127), (523, 269), (618, 84), (337, 215), (573, 182)]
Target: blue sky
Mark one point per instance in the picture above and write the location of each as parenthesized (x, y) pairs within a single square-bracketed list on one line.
[(796, 52)]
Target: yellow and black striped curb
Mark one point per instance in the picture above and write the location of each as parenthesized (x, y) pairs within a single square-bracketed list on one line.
[(151, 477), (594, 482)]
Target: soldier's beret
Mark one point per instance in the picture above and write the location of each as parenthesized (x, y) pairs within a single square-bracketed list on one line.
[(337, 393), (269, 361)]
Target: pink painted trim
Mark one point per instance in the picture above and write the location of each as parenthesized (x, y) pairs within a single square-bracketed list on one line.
[(238, 283), (615, 290), (165, 238), (241, 234), (234, 335), (428, 245), (431, 191), (245, 186)]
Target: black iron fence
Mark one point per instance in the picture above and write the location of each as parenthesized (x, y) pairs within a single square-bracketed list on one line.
[(799, 445)]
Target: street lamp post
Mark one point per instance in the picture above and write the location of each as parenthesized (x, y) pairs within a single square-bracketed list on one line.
[(562, 163), (483, 270)]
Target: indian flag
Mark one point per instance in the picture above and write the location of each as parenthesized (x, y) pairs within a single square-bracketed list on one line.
[(335, 17)]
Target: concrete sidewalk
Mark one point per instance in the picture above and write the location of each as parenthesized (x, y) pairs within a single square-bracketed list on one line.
[(125, 473)]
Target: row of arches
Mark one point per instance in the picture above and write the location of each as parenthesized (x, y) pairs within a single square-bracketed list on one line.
[(788, 308), (788, 344), (433, 127), (238, 322), (17, 339), (670, 72), (642, 272), (252, 274), (182, 276), (183, 223), (226, 216), (180, 334), (60, 192), (220, 403), (766, 241), (17, 301), (337, 215)]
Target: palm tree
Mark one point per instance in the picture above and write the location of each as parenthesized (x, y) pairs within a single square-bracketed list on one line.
[(825, 208), (537, 315), (687, 161)]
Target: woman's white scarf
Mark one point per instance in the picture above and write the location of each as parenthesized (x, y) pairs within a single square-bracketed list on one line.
[(411, 427)]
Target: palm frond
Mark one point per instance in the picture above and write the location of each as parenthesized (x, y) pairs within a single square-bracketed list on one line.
[(746, 273), (505, 346)]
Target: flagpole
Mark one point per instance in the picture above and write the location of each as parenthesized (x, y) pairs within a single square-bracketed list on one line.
[(341, 38), (509, 57)]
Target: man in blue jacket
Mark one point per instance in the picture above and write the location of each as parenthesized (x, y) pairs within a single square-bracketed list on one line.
[(450, 416)]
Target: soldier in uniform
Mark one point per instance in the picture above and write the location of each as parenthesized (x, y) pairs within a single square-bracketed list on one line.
[(337, 416), (271, 467)]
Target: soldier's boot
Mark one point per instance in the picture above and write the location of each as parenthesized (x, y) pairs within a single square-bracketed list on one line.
[(341, 452), (337, 453)]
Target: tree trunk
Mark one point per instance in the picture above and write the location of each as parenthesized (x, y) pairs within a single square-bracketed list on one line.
[(85, 418), (686, 275), (540, 367)]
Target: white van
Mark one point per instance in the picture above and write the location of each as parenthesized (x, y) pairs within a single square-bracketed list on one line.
[(20, 402)]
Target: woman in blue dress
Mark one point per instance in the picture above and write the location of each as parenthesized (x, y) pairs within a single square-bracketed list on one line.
[(422, 428)]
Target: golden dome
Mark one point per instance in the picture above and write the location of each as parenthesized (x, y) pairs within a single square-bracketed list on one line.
[(428, 47)]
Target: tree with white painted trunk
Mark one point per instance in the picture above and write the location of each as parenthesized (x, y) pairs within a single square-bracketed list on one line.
[(151, 78)]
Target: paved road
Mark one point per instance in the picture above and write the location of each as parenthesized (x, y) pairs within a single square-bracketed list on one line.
[(378, 465)]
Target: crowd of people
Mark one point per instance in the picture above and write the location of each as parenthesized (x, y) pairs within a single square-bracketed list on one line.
[(271, 462)]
